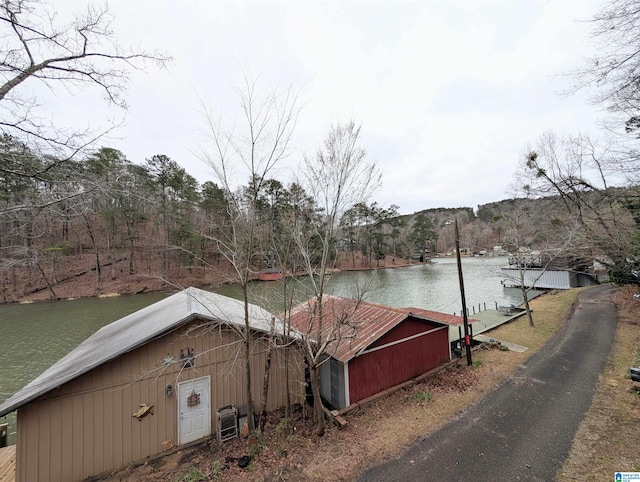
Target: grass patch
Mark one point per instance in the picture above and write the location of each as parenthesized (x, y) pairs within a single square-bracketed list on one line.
[(284, 425), (216, 469), (423, 396), (193, 475), (549, 312)]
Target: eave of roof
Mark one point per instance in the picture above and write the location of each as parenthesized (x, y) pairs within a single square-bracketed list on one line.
[(136, 329)]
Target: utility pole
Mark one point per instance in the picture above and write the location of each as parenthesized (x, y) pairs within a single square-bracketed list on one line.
[(465, 320)]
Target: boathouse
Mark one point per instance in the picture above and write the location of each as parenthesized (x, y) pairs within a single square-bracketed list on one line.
[(143, 384), (542, 272), (542, 279), (376, 347)]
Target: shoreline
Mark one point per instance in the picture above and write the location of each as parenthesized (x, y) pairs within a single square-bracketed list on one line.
[(143, 285)]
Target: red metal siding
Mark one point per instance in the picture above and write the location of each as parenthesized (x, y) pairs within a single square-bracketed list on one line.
[(407, 328), (374, 372)]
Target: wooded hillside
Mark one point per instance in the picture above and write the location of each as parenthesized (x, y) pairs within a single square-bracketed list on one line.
[(104, 224)]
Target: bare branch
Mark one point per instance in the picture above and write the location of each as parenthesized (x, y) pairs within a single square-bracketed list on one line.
[(76, 55)]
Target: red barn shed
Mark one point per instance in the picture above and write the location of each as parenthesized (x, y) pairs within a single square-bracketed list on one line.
[(376, 347)]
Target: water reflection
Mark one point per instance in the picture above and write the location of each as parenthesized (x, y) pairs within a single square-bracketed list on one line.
[(429, 286)]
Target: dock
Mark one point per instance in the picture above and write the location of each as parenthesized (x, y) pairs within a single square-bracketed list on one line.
[(8, 464), (484, 321)]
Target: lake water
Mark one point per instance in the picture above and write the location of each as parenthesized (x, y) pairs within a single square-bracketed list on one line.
[(34, 336)]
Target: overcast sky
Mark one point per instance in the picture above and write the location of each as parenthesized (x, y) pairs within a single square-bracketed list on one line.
[(449, 93)]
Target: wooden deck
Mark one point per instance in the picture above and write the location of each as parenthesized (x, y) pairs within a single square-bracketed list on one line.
[(484, 321), (8, 464)]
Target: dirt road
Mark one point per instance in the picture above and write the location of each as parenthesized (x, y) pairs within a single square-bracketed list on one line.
[(523, 430)]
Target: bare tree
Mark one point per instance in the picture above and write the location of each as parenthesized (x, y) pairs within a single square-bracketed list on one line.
[(574, 172), (537, 242), (37, 47), (250, 150), (337, 178), (615, 67), (612, 75), (282, 211)]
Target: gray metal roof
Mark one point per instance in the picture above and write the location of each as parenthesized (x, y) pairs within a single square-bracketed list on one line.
[(135, 330)]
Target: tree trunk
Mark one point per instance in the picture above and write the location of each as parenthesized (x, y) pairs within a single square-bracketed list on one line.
[(524, 290), (286, 340), (526, 305), (265, 384), (287, 408), (132, 246), (44, 276), (54, 265), (247, 359), (96, 254), (113, 265), (131, 259), (318, 413)]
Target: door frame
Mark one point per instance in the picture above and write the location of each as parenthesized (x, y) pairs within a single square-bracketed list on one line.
[(180, 387)]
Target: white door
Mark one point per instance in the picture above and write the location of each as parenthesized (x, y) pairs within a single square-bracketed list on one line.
[(194, 409)]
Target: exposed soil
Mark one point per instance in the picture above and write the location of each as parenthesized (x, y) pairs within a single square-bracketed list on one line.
[(75, 276)]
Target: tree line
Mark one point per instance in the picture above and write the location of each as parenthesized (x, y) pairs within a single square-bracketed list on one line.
[(108, 207), (159, 220)]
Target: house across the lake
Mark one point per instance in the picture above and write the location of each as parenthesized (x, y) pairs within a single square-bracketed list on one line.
[(147, 382), (376, 348)]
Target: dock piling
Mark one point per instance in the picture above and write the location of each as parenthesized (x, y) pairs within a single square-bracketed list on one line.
[(4, 435)]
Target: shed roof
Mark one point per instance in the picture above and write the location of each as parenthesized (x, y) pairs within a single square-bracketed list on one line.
[(135, 330), (438, 316), (360, 323)]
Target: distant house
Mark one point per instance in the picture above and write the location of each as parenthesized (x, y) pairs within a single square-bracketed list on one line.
[(149, 381), (378, 348)]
